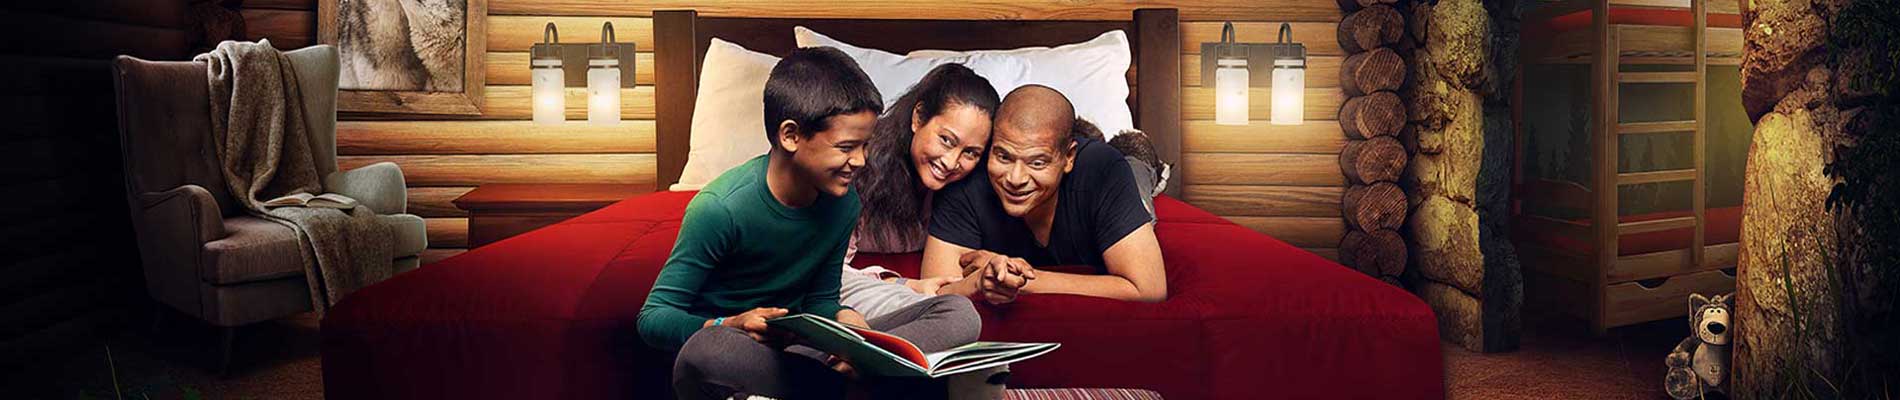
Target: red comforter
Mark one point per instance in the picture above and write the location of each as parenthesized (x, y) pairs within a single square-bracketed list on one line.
[(551, 314)]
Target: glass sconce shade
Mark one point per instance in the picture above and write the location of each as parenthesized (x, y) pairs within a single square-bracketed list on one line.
[(1230, 92), (603, 80), (549, 80), (603, 91), (1289, 93)]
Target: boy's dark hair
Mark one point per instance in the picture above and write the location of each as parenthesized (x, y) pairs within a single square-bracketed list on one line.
[(813, 84)]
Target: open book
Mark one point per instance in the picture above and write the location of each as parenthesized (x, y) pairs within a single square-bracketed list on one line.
[(300, 199), (882, 354)]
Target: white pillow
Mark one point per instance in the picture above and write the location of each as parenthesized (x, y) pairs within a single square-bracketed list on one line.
[(894, 74), (1092, 74), (728, 113)]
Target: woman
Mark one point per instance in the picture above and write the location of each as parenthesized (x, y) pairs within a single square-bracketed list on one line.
[(931, 136)]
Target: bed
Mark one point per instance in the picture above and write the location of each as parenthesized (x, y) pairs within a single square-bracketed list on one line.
[(1637, 268), (551, 313)]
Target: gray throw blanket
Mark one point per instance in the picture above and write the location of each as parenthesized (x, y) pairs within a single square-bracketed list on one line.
[(263, 145)]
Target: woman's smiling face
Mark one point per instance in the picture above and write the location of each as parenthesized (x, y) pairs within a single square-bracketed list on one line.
[(945, 148)]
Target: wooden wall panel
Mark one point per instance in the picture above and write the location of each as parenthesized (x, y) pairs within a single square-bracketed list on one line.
[(1191, 10), (449, 233), (286, 29), (472, 170), (1260, 173), (491, 137)]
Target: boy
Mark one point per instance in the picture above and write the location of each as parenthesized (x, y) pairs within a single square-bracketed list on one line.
[(764, 240)]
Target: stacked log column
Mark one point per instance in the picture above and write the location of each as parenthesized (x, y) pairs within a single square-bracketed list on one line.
[(1373, 159), (1446, 131)]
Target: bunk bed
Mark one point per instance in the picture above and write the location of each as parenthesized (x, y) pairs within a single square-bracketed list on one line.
[(1640, 267)]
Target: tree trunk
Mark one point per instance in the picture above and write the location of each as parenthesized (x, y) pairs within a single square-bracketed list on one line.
[(1373, 207)]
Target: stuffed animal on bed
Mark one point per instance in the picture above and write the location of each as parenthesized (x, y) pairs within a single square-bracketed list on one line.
[(1699, 365)]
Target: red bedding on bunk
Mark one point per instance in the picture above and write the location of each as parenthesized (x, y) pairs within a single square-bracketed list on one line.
[(1724, 225), (551, 314), (1637, 16)]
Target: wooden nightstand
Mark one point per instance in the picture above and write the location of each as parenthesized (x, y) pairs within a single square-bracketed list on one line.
[(499, 211)]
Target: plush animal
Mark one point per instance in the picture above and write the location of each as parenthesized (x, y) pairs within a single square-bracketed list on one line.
[(1699, 365)]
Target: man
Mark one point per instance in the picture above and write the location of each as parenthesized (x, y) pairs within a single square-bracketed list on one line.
[(1052, 198)]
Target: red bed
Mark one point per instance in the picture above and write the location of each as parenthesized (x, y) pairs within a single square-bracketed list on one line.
[(551, 314)]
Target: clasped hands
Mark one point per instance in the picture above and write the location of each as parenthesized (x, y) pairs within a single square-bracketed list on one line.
[(1000, 278)]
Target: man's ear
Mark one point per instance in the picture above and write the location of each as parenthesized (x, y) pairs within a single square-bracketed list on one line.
[(916, 118), (787, 136), (1068, 163)]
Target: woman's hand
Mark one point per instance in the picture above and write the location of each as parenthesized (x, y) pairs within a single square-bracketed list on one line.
[(928, 287), (1003, 278)]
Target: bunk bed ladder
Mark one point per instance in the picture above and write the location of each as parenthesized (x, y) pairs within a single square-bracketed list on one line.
[(1609, 76)]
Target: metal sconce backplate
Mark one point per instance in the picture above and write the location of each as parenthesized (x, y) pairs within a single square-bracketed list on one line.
[(574, 61)]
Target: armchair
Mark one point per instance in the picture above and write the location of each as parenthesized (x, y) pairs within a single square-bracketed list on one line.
[(202, 254)]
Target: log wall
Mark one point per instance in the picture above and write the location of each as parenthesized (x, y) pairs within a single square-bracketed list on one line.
[(1281, 180)]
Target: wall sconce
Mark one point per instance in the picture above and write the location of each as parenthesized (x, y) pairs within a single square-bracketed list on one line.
[(603, 68), (603, 79), (550, 100), (1226, 67), (1230, 81), (1289, 79)]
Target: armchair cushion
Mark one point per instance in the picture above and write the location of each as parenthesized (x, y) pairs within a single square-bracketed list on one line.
[(256, 250), (412, 235), (378, 186)]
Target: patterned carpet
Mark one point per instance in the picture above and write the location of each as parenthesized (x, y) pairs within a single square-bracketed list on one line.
[(278, 360)]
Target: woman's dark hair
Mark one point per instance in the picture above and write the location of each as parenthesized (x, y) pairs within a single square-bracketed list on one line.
[(892, 195)]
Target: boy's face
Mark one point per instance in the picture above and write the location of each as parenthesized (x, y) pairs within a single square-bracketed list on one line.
[(1026, 166), (829, 159)]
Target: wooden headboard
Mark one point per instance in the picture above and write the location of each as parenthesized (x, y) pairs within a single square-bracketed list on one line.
[(681, 38)]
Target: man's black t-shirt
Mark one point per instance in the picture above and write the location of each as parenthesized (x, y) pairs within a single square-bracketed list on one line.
[(1096, 206)]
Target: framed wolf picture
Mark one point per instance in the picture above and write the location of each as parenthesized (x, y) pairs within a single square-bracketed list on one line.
[(407, 56)]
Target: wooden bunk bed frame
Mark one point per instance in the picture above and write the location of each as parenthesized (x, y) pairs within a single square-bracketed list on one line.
[(1600, 285)]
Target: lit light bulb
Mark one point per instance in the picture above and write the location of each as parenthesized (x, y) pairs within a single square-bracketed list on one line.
[(1289, 91)]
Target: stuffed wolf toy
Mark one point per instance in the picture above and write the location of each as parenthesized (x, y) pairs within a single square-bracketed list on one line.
[(1699, 365)]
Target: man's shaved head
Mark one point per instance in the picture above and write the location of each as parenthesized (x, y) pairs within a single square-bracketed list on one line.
[(1036, 110)]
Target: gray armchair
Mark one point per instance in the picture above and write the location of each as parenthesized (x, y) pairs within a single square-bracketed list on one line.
[(202, 254)]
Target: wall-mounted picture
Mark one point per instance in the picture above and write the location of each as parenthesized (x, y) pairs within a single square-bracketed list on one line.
[(407, 56)]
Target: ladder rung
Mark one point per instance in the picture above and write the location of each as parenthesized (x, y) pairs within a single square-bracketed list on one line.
[(1668, 175), (1655, 225), (1632, 128), (1655, 77)]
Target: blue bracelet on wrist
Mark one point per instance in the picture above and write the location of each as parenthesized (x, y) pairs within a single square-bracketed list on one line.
[(721, 321), (900, 280)]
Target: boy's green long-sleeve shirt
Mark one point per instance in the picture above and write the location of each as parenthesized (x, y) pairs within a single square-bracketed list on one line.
[(739, 249)]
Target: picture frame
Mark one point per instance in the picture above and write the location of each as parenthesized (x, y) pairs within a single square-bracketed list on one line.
[(393, 76)]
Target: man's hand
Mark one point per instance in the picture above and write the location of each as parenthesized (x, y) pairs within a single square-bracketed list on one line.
[(1003, 278), (753, 323), (928, 287)]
